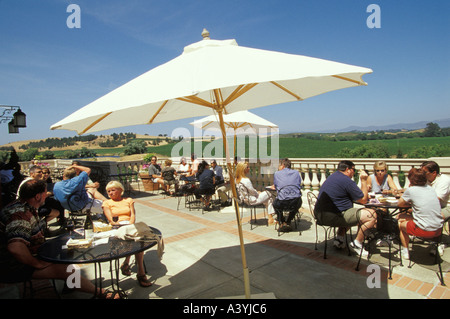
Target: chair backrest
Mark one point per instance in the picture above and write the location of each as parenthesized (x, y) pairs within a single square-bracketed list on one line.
[(312, 200), (243, 193), (76, 204), (286, 190)]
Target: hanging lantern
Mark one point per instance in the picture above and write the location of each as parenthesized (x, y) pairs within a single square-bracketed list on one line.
[(20, 119), (12, 128)]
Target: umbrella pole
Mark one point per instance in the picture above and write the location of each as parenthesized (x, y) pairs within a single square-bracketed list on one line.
[(236, 207)]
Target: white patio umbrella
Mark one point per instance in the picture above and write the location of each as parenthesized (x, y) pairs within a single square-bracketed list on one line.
[(235, 122), (214, 77)]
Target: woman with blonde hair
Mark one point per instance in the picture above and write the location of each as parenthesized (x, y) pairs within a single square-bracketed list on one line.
[(255, 197), (380, 181), (118, 211)]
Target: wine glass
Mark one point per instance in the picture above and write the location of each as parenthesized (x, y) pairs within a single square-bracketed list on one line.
[(70, 226)]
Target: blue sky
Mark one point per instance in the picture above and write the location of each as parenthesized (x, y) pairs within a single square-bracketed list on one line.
[(51, 70)]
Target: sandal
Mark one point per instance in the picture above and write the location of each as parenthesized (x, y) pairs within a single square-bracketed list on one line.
[(143, 281), (125, 268), (109, 295)]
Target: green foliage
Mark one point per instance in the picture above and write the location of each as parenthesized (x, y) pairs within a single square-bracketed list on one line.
[(4, 156), (135, 147), (28, 155), (426, 151), (83, 153), (365, 151), (59, 142), (432, 130), (148, 157), (295, 146)]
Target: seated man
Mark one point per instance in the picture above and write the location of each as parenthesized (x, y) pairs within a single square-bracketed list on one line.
[(288, 183), (74, 181), (218, 172), (440, 183), (92, 187), (51, 208), (21, 235), (221, 187), (334, 206), (154, 170)]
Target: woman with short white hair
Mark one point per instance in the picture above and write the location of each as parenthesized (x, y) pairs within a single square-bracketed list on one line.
[(119, 211)]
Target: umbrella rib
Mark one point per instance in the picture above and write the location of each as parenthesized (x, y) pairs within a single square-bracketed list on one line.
[(286, 90), (157, 112), (205, 126), (350, 80), (196, 100), (240, 90), (94, 123)]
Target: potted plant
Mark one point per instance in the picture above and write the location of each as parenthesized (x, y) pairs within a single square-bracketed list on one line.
[(146, 179)]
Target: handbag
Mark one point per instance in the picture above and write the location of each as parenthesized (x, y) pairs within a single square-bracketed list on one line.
[(387, 224)]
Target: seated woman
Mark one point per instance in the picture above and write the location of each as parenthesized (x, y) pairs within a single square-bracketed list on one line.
[(206, 178), (255, 197), (169, 174), (184, 168), (426, 219), (123, 209), (380, 182), (47, 178)]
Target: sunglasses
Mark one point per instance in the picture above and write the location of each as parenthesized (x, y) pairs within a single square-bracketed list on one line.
[(380, 170)]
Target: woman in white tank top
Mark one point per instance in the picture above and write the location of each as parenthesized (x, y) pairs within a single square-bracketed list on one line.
[(380, 181)]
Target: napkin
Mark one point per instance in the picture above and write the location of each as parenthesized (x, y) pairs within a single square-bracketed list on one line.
[(140, 231)]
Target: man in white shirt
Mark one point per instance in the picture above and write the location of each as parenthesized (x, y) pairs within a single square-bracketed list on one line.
[(440, 183)]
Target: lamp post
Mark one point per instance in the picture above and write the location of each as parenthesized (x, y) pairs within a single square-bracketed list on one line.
[(16, 120)]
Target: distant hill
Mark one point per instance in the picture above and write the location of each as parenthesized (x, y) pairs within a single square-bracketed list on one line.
[(400, 126), (80, 144)]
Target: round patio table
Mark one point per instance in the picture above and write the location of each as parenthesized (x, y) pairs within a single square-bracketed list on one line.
[(56, 251), (386, 225)]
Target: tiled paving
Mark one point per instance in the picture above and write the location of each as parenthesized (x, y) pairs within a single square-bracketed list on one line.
[(202, 260)]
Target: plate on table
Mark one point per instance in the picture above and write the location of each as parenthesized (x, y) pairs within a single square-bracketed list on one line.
[(79, 243), (124, 222), (392, 201)]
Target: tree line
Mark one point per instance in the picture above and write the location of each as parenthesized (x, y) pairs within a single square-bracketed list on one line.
[(431, 130)]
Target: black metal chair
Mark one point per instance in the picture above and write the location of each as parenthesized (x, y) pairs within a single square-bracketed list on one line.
[(286, 209), (434, 242), (312, 200), (77, 214), (245, 202)]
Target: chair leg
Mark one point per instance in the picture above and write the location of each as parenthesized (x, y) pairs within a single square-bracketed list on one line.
[(326, 242), (315, 245), (438, 261), (346, 240)]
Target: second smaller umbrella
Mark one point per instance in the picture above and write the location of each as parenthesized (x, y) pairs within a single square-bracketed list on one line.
[(242, 120)]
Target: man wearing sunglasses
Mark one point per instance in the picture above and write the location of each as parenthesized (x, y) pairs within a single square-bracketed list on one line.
[(440, 183), (334, 206)]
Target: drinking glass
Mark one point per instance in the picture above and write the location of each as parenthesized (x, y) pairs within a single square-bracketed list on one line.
[(70, 226)]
